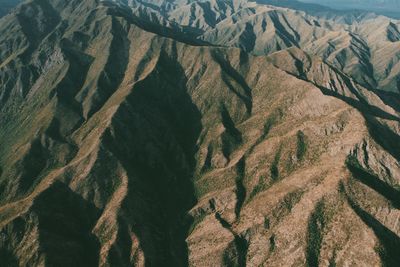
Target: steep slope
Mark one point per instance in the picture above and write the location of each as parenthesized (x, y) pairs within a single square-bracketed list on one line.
[(124, 143), (359, 49), (363, 45)]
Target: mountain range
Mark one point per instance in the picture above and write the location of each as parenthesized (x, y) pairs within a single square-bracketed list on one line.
[(390, 8), (198, 133), (6, 6), (385, 4)]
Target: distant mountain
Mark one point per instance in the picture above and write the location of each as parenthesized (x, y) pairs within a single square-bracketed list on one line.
[(198, 133), (369, 52), (360, 3), (7, 5), (386, 7)]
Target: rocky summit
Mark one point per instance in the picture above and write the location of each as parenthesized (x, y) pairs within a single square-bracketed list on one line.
[(198, 133)]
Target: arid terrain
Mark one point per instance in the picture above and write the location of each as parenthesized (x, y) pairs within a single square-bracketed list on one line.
[(198, 133)]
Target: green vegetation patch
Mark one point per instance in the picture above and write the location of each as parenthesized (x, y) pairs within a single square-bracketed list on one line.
[(301, 145)]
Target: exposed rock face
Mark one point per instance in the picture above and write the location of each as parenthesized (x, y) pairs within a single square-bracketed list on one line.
[(133, 134)]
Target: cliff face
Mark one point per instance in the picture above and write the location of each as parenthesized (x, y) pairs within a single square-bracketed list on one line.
[(130, 138)]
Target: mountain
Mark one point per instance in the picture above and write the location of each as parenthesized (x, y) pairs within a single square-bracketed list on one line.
[(363, 45), (197, 133), (361, 3), (7, 5), (389, 8)]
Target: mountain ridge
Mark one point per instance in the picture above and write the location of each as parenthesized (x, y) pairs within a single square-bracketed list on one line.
[(352, 42)]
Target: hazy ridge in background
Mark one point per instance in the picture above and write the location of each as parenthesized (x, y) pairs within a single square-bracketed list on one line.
[(7, 5), (390, 8)]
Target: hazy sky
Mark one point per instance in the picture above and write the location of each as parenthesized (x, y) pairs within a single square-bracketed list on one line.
[(386, 7)]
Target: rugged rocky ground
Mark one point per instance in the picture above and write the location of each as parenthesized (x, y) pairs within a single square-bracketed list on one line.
[(136, 134)]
